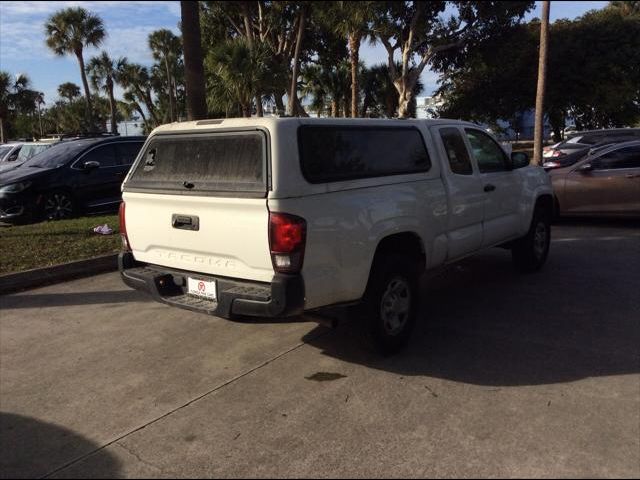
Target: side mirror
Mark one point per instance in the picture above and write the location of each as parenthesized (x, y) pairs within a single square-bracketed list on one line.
[(91, 165), (586, 168), (519, 159), (13, 157)]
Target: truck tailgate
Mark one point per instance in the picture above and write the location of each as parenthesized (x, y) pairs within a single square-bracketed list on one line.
[(231, 238)]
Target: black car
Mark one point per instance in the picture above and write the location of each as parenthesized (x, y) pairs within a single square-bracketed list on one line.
[(71, 177)]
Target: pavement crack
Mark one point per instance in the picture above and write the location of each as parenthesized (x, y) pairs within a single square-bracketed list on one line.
[(187, 404), (138, 457)]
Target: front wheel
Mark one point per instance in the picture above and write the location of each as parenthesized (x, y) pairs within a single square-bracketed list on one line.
[(531, 251), (388, 313), (58, 205)]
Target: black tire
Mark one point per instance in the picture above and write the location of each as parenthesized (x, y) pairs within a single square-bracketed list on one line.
[(389, 307), (58, 205), (530, 252)]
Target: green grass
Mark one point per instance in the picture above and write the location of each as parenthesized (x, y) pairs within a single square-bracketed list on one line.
[(23, 247)]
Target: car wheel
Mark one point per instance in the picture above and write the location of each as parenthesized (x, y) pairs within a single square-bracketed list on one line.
[(531, 251), (388, 312), (58, 205)]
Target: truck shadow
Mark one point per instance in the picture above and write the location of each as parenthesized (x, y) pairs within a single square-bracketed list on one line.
[(46, 300), (30, 448), (483, 323)]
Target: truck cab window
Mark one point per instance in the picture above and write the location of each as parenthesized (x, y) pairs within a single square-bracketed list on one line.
[(456, 151), (488, 154)]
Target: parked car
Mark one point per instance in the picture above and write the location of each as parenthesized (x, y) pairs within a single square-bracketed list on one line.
[(9, 152), (273, 217), (572, 158), (580, 140), (27, 151), (604, 183), (71, 177)]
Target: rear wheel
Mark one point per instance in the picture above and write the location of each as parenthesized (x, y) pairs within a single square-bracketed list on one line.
[(58, 205), (531, 251), (388, 312)]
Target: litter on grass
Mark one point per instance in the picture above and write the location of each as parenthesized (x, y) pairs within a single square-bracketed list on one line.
[(103, 229)]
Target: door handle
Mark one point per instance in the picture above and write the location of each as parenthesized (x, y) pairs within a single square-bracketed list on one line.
[(185, 222), (632, 175), (489, 188)]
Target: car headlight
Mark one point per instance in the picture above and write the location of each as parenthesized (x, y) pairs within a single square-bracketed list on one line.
[(15, 187)]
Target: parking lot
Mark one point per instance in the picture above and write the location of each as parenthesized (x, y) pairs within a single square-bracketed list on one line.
[(507, 375)]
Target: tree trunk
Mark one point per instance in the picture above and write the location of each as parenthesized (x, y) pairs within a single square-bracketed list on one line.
[(193, 63), (259, 109), (366, 102), (556, 119), (246, 111), (334, 108), (299, 109), (389, 105), (405, 86), (87, 92), (246, 16), (112, 106), (279, 104), (542, 74), (404, 103), (141, 112), (293, 92), (354, 49), (169, 84)]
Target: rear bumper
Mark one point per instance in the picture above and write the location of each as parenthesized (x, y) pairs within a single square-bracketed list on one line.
[(283, 297)]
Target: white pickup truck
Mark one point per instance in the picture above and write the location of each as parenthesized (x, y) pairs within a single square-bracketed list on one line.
[(273, 217)]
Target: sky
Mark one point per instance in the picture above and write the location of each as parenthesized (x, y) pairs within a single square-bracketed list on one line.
[(128, 23)]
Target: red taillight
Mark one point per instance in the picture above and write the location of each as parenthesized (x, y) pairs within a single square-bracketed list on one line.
[(123, 229), (287, 238)]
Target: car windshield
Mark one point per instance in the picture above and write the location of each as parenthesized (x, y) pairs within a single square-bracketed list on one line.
[(30, 150), (58, 154), (4, 150)]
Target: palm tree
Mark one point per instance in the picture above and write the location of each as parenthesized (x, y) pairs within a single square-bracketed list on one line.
[(353, 23), (135, 78), (166, 47), (193, 61), (104, 71), (68, 32), (380, 97), (315, 85), (626, 7), (68, 91), (328, 86), (5, 91), (39, 99), (542, 75), (130, 104), (242, 71)]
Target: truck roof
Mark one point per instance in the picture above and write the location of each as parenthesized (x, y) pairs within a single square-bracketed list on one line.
[(273, 121)]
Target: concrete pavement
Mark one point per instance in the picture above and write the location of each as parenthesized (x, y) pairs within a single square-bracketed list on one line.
[(507, 375)]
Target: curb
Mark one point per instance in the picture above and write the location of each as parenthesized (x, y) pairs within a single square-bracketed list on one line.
[(14, 282)]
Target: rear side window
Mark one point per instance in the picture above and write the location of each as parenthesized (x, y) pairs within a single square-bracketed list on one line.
[(105, 155), (628, 157), (456, 151), (212, 162), (329, 154), (127, 152)]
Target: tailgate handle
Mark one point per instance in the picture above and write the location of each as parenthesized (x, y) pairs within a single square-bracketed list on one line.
[(185, 222)]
